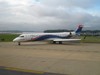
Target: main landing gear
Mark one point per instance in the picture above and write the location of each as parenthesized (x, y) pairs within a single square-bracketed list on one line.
[(60, 42), (54, 42)]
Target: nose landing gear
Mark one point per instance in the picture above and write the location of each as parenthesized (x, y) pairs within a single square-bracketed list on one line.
[(19, 43)]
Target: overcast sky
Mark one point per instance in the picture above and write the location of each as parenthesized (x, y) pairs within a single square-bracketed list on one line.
[(39, 15)]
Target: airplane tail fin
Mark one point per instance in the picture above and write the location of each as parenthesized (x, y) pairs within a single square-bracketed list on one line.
[(79, 29)]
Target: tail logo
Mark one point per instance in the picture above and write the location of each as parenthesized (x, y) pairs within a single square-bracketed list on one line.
[(79, 29)]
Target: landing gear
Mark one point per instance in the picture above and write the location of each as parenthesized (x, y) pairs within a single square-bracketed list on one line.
[(54, 42), (19, 43), (60, 42)]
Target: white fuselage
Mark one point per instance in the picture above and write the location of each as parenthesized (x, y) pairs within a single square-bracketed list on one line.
[(54, 37), (43, 36)]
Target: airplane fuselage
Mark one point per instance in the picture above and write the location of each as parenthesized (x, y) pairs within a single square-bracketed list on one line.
[(55, 37), (43, 36)]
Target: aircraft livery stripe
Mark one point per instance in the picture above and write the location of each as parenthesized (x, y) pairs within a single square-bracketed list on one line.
[(44, 37)]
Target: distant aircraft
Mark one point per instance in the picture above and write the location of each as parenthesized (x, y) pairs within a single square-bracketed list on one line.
[(54, 37)]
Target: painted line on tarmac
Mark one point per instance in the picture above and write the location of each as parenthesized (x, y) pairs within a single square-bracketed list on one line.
[(17, 71), (24, 70)]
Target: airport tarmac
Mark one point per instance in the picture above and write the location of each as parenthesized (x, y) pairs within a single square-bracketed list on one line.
[(69, 59)]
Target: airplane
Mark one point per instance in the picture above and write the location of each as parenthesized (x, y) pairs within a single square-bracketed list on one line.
[(54, 37)]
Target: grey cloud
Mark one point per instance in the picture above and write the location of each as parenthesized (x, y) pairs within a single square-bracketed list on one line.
[(46, 14)]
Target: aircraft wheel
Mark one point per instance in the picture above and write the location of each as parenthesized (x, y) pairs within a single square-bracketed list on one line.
[(60, 42), (19, 43), (54, 42)]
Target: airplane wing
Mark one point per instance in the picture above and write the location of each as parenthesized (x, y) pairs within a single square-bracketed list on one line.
[(67, 40)]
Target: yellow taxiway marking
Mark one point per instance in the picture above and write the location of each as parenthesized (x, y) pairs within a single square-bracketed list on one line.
[(24, 70)]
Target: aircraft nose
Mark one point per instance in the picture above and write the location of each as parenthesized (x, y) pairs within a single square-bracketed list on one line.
[(16, 40)]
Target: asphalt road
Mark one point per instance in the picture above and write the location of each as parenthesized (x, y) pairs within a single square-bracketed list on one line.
[(68, 59), (17, 71)]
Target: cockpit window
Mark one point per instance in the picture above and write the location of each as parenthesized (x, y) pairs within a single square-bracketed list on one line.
[(21, 36)]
